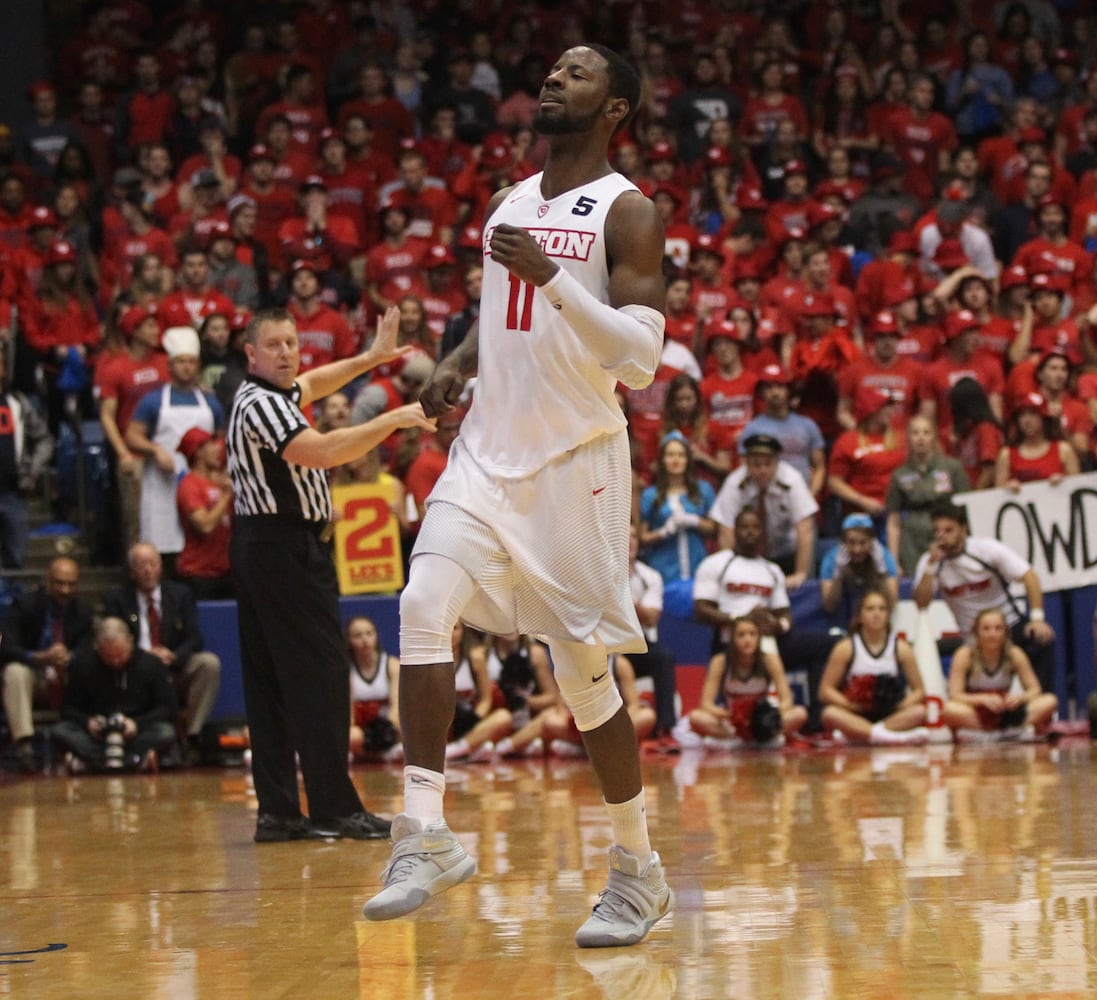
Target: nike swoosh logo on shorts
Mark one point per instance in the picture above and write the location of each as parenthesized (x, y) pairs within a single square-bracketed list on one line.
[(597, 491), (595, 680)]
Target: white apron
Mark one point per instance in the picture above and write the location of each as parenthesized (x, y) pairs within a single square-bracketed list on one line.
[(159, 514)]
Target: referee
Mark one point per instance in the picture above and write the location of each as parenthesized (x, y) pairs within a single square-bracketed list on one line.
[(295, 671)]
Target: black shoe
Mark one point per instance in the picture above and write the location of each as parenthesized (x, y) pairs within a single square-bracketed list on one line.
[(25, 758), (365, 826), (277, 829)]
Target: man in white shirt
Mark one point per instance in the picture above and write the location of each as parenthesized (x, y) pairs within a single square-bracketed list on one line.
[(972, 574), (782, 498)]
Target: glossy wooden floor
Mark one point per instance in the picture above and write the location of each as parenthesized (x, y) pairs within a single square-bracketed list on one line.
[(930, 872)]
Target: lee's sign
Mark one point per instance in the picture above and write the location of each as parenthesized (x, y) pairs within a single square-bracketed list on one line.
[(367, 540), (1053, 527)]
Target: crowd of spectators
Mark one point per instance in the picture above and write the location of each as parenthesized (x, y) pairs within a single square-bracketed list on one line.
[(881, 221)]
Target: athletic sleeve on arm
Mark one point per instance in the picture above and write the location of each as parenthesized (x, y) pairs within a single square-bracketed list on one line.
[(628, 341)]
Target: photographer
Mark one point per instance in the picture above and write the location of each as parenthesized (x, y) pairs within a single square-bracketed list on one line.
[(116, 690)]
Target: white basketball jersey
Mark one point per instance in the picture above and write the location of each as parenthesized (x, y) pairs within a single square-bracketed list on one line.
[(376, 690), (540, 391)]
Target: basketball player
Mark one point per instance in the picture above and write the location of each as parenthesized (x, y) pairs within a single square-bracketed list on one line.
[(527, 530)]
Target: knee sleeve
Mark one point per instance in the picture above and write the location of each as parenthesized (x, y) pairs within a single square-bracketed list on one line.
[(583, 676), (437, 592)]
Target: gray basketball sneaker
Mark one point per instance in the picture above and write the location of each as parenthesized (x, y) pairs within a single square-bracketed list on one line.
[(425, 861), (629, 905)]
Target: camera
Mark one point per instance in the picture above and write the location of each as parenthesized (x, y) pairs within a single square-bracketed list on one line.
[(115, 754)]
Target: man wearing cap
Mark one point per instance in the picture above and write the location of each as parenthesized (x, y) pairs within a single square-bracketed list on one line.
[(960, 359), (881, 367), (322, 332), (779, 493), (710, 296), (204, 502), (159, 422), (316, 234), (194, 298), (801, 441), (1047, 328), (442, 295), (228, 274), (163, 618)]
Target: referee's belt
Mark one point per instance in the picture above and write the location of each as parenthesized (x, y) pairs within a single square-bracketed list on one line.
[(324, 530)]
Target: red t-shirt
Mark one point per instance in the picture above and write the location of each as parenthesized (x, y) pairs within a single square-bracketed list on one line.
[(121, 378), (203, 555), (866, 461), (918, 142), (729, 405), (901, 380), (324, 336)]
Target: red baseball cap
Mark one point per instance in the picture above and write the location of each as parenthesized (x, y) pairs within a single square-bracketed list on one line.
[(775, 374), (60, 252), (959, 321), (717, 156), (869, 400), (192, 441), (134, 316), (707, 243), (950, 255), (884, 324), (1012, 277), (662, 152), (439, 255), (716, 328)]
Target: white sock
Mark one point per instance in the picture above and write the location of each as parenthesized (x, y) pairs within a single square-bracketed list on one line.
[(630, 827), (423, 793)]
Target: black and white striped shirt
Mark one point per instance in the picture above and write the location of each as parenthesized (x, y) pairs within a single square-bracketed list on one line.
[(264, 419)]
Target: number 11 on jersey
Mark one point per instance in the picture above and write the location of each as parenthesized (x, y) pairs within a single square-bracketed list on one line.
[(520, 304)]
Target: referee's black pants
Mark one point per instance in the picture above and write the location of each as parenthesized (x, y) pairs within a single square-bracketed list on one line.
[(295, 667)]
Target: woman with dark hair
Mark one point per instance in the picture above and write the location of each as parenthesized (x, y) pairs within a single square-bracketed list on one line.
[(674, 522), (75, 167), (871, 688), (977, 436), (737, 705), (1035, 77), (978, 92), (857, 564), (1035, 450), (771, 104), (374, 692), (842, 117), (684, 411)]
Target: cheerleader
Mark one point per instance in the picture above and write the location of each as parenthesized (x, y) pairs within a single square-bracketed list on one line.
[(981, 703), (871, 689), (735, 701)]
